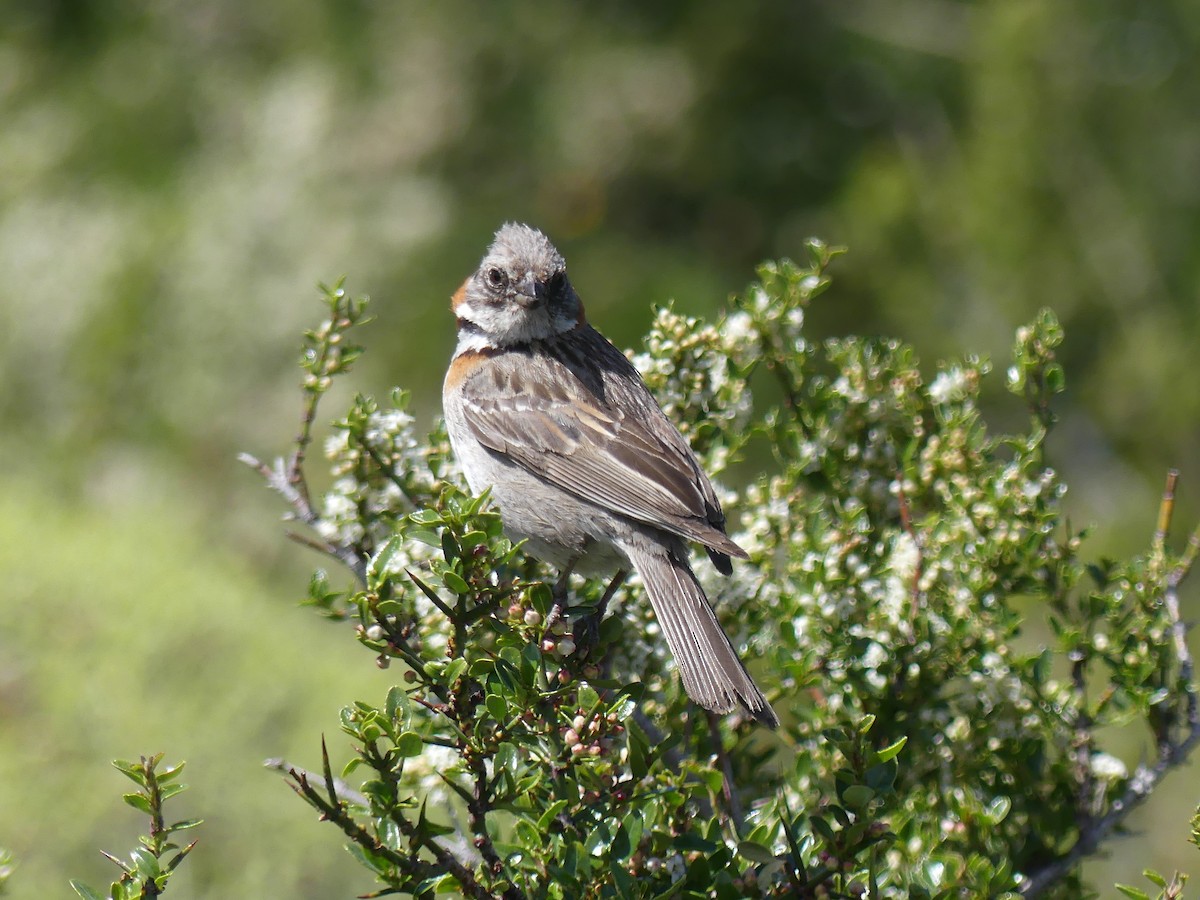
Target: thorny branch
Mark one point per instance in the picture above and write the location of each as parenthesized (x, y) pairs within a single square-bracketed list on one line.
[(332, 809), (1172, 751), (284, 482), (325, 354)]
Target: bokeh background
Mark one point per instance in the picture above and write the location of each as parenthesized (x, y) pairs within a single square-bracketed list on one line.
[(175, 177)]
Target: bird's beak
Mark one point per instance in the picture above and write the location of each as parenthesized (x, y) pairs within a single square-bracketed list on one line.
[(530, 292)]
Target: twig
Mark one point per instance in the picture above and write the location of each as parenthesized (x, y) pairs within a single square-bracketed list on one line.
[(733, 802), (1081, 750), (1166, 510), (1145, 779), (477, 810), (1170, 753), (1171, 597), (295, 493), (413, 867), (343, 791)]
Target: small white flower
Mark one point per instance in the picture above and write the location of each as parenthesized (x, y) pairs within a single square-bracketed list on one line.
[(948, 385), (1107, 767), (336, 444), (875, 656), (738, 326), (339, 507)]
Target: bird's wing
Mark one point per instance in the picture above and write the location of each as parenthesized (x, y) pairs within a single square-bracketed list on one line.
[(587, 424)]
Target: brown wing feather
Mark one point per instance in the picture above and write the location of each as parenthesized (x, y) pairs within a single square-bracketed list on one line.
[(584, 421)]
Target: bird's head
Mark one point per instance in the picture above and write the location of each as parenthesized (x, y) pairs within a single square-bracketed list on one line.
[(519, 293)]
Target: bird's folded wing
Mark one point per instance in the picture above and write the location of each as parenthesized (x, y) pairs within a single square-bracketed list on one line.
[(631, 464)]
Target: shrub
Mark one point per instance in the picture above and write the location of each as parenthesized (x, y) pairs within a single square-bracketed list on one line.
[(947, 666)]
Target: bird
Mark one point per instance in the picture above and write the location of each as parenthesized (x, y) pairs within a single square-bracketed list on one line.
[(581, 461)]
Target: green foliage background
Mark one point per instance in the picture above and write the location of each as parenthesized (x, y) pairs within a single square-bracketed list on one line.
[(175, 177)]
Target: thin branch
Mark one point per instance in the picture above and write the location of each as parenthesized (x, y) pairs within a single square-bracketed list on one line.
[(1166, 510), (1081, 749), (1145, 779), (1170, 753), (733, 802), (344, 792), (414, 868), (282, 481), (477, 810)]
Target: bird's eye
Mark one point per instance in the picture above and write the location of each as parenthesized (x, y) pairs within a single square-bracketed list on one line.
[(556, 282), (495, 277)]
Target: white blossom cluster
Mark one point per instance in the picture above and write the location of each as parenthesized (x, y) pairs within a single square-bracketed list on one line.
[(759, 309), (382, 470), (688, 371)]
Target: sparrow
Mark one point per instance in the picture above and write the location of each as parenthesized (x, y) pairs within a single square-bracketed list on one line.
[(581, 461)]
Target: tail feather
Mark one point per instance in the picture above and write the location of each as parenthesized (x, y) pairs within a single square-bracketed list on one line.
[(712, 674)]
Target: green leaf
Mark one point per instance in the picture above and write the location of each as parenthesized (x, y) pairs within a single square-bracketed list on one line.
[(588, 698), (87, 893), (633, 826), (997, 810), (371, 861), (1154, 878), (169, 773), (882, 777), (621, 846), (398, 706), (551, 813), (823, 829), (437, 884), (450, 549), (639, 750), (455, 582), (891, 750), (755, 852), (690, 841), (409, 744), (541, 598), (621, 880), (496, 707), (857, 796), (426, 516), (145, 863), (377, 568), (1132, 892), (424, 536), (130, 770), (526, 834), (473, 539), (508, 674), (139, 802), (598, 839)]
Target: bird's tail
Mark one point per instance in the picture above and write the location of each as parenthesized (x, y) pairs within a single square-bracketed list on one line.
[(712, 674)]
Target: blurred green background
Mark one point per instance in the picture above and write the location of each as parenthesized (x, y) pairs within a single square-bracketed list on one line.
[(175, 177)]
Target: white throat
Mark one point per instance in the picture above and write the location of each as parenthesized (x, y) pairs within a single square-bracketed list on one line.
[(505, 326)]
